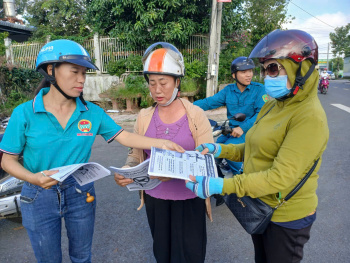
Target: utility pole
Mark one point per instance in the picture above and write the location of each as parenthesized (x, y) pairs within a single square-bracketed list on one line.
[(327, 56), (214, 48)]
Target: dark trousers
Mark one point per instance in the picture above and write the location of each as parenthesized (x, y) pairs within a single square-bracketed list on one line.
[(279, 244), (178, 229)]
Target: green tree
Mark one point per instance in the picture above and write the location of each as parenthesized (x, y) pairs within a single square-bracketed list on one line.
[(341, 40), (336, 64), (140, 22), (3, 35), (58, 18), (266, 16)]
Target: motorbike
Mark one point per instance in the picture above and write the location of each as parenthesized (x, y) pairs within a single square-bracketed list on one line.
[(218, 128), (10, 192), (323, 86)]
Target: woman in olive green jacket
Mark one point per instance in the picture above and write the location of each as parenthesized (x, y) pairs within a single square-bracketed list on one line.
[(289, 135)]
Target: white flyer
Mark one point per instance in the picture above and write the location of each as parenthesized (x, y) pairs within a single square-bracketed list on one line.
[(180, 165), (139, 174), (84, 173)]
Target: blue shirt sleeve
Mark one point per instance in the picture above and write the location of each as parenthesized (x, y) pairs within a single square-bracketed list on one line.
[(108, 128), (213, 102), (14, 138), (258, 103)]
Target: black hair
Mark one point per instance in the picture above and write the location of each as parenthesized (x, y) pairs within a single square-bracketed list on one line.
[(43, 84)]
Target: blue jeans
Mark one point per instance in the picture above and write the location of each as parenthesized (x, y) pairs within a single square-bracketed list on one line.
[(236, 167), (42, 212)]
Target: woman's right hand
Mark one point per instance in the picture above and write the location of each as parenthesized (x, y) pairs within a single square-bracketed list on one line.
[(172, 146), (44, 181), (121, 180)]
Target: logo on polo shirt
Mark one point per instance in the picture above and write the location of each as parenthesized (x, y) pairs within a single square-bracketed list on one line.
[(84, 126)]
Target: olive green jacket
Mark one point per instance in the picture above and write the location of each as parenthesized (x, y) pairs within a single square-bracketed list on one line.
[(281, 147)]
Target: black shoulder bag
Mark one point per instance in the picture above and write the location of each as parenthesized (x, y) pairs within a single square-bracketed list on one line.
[(252, 213)]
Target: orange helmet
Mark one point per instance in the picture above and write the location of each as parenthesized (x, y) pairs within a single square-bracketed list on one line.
[(166, 60)]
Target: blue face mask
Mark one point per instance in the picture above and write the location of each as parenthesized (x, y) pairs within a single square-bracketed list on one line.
[(276, 87)]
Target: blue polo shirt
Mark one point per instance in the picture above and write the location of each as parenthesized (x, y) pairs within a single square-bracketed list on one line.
[(45, 144), (248, 102)]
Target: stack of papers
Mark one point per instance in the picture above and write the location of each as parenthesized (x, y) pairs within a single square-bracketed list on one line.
[(165, 163)]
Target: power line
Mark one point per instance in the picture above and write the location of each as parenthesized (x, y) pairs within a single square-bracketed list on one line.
[(312, 15)]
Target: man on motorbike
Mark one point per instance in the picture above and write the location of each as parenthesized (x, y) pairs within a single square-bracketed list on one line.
[(244, 96), (322, 75)]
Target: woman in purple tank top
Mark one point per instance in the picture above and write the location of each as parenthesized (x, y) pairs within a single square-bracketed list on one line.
[(175, 215)]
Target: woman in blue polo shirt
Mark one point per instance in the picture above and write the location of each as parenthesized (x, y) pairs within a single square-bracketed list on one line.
[(58, 128)]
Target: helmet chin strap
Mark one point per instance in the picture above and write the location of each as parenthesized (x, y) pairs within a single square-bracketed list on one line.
[(52, 80), (299, 82), (173, 97)]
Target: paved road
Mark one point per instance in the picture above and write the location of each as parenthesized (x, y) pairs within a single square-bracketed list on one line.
[(122, 234)]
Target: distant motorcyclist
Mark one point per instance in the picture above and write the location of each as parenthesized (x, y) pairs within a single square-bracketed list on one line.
[(322, 75)]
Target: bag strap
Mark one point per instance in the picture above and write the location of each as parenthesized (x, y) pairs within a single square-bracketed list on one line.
[(299, 185)]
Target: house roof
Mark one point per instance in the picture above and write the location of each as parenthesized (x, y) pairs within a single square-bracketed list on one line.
[(17, 32)]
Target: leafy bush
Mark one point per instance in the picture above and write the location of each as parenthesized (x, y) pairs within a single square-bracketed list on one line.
[(188, 85), (195, 69), (17, 85), (135, 87), (3, 35), (134, 63), (120, 66), (116, 67)]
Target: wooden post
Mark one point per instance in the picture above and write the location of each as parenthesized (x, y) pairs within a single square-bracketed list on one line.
[(8, 47)]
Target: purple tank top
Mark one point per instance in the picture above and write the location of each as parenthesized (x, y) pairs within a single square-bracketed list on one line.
[(178, 132)]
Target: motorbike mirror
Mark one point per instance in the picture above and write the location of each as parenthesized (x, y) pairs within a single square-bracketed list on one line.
[(239, 117)]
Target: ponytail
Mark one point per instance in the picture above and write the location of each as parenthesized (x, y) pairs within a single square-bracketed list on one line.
[(43, 84)]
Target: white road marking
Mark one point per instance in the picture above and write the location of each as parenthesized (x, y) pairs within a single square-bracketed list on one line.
[(346, 89), (342, 107)]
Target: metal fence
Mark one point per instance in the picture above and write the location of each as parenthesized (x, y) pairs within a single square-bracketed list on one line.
[(25, 55), (108, 49), (112, 50)]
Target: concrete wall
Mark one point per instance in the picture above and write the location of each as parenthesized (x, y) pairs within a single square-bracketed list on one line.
[(95, 84)]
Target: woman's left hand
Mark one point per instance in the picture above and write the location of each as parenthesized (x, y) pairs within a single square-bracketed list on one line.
[(169, 145), (237, 132), (160, 178)]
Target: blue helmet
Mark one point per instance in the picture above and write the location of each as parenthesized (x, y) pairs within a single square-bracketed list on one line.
[(64, 50), (241, 64)]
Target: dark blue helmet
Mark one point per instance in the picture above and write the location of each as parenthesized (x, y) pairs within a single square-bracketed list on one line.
[(241, 63)]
